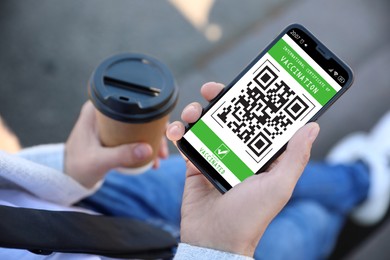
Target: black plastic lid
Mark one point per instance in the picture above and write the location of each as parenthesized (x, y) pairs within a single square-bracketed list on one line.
[(133, 88)]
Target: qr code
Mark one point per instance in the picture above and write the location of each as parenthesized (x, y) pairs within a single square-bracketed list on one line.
[(262, 111)]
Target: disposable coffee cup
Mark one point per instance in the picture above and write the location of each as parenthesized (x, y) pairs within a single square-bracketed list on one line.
[(133, 95)]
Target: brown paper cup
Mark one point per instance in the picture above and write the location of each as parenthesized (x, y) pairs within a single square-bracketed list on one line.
[(133, 95), (113, 133)]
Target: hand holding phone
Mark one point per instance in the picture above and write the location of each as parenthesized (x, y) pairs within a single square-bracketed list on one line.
[(245, 128), (236, 221)]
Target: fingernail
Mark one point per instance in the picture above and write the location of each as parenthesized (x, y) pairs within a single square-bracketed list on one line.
[(175, 130), (141, 151), (189, 109), (222, 85)]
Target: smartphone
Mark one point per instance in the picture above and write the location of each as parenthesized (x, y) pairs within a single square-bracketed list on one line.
[(293, 81)]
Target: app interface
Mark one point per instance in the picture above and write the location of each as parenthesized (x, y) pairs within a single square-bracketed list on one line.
[(262, 111)]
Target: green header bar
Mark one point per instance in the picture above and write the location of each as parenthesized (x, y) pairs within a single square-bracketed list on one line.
[(213, 143), (302, 72)]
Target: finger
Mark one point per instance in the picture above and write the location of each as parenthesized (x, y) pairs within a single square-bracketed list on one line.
[(175, 131), (297, 153), (281, 180), (191, 113), (87, 113), (85, 127), (156, 163), (210, 90), (163, 151), (124, 155), (9, 141)]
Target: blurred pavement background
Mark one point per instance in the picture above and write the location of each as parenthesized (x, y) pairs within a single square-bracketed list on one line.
[(49, 48)]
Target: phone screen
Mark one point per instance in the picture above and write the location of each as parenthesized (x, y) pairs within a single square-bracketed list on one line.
[(281, 90)]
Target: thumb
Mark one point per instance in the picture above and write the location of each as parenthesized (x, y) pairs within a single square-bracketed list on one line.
[(297, 154), (125, 155)]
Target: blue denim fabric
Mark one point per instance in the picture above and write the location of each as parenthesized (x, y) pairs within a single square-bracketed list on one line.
[(154, 196), (302, 230), (338, 187), (306, 228)]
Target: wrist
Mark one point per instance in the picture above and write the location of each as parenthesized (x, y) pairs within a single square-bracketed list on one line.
[(78, 168), (89, 181)]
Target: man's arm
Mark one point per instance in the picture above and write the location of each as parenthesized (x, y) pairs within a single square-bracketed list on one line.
[(42, 181)]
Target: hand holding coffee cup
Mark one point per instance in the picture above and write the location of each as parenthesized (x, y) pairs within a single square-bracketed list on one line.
[(133, 95)]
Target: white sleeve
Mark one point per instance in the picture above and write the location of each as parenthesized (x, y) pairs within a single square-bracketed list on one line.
[(51, 155), (186, 251), (42, 181)]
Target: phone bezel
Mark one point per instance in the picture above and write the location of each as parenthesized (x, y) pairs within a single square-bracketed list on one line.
[(204, 167)]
